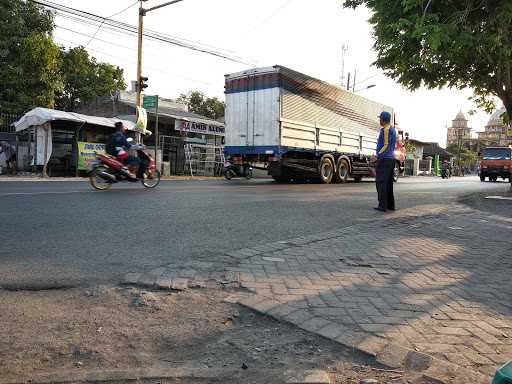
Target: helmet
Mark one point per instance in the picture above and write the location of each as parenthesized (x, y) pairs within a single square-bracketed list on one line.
[(122, 155)]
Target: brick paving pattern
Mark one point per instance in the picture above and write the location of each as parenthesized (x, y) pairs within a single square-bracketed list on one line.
[(438, 283)]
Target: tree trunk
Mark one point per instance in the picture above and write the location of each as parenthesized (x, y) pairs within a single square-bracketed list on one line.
[(506, 98)]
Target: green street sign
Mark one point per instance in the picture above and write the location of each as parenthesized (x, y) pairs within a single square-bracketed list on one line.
[(149, 102)]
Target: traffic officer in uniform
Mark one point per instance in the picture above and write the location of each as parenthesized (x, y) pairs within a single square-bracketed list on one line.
[(385, 163)]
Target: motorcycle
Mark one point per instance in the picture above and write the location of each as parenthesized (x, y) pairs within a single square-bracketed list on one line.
[(231, 170), (445, 173), (108, 170)]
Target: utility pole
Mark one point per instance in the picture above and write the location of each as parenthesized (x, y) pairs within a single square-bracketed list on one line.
[(344, 49), (140, 79), (354, 86), (348, 82), (142, 13)]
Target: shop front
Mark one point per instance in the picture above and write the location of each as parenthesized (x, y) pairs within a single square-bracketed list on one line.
[(57, 143)]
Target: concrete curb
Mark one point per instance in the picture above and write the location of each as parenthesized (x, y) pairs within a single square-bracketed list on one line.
[(85, 179), (178, 374), (77, 376), (389, 354)]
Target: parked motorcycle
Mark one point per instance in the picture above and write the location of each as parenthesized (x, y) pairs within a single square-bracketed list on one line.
[(231, 170), (108, 170)]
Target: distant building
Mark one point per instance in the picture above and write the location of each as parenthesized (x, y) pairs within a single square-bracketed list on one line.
[(459, 133), (495, 131)]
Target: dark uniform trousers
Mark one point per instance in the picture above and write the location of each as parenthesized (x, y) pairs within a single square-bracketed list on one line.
[(384, 174)]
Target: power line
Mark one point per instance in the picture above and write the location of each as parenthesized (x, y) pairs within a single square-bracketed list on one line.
[(368, 78), (109, 17), (124, 59), (156, 36)]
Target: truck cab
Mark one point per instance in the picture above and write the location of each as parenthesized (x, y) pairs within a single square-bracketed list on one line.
[(496, 162)]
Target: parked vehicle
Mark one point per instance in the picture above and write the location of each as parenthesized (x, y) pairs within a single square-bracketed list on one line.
[(496, 162), (109, 170), (231, 170), (297, 127)]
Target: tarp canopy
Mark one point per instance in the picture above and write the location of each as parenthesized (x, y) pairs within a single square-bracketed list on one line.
[(39, 116)]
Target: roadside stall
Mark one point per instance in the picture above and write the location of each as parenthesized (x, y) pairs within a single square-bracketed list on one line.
[(62, 143)]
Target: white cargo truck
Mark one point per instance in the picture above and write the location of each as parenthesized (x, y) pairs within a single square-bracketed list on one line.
[(298, 127)]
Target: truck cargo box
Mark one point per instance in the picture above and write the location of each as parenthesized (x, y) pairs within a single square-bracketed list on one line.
[(273, 110)]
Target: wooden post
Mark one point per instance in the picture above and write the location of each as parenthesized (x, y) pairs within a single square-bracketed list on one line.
[(138, 100), (156, 135)]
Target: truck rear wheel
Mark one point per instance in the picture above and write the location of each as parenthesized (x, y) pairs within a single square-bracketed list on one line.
[(326, 171), (343, 171)]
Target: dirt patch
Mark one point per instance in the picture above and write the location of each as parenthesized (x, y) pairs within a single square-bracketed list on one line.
[(126, 328)]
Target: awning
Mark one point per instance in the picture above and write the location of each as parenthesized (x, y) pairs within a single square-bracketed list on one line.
[(40, 116)]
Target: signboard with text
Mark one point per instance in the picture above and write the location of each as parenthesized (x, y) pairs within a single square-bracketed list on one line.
[(149, 102), (198, 127), (87, 154)]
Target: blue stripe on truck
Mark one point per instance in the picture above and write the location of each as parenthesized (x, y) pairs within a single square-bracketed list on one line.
[(253, 150)]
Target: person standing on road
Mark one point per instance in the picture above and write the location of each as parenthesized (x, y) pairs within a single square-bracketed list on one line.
[(9, 152), (385, 163)]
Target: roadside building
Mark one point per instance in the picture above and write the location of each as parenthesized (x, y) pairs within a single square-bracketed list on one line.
[(188, 143), (61, 143), (422, 160)]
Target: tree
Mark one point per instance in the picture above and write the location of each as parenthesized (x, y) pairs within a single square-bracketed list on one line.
[(458, 43), (28, 57), (198, 103), (84, 79)]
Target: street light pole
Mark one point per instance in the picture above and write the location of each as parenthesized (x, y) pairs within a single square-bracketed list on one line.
[(142, 13)]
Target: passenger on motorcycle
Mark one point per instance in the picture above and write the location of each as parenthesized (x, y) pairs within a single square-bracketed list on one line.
[(118, 145), (446, 169)]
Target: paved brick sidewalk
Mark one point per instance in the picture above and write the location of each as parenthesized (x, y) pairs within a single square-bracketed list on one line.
[(437, 283)]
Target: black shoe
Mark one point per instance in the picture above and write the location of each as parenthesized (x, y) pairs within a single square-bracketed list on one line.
[(379, 209)]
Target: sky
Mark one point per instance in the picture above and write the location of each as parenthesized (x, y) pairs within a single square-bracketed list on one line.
[(304, 35)]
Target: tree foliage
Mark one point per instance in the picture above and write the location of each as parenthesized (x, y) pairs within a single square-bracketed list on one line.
[(35, 72), (467, 156), (84, 78), (29, 59), (198, 103), (457, 43)]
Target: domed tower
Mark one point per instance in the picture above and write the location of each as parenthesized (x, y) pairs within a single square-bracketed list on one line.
[(495, 130), (459, 132)]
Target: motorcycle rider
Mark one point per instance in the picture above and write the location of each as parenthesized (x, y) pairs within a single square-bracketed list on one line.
[(445, 167), (117, 144)]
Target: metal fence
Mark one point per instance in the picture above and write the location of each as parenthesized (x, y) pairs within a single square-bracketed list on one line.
[(6, 120), (204, 160), (180, 157)]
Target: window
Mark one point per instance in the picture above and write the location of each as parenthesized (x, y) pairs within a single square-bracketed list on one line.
[(497, 154)]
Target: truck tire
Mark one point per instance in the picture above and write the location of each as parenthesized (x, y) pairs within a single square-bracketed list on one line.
[(342, 171), (326, 171)]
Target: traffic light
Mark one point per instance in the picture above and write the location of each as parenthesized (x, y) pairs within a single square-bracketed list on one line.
[(142, 83)]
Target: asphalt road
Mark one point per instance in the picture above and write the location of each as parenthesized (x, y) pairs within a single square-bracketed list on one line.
[(66, 232)]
